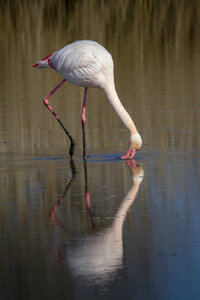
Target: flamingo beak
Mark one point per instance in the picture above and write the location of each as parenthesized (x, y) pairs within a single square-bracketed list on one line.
[(129, 154)]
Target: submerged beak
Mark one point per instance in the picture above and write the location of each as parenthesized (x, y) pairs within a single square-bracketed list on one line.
[(129, 154)]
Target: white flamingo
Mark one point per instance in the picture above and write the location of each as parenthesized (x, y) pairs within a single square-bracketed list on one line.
[(88, 64)]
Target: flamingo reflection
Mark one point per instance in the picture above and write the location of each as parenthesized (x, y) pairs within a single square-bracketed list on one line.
[(99, 256), (53, 217)]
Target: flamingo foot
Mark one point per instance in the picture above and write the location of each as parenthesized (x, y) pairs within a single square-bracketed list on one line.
[(129, 154)]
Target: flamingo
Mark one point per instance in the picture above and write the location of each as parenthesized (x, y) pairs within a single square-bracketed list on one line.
[(88, 64)]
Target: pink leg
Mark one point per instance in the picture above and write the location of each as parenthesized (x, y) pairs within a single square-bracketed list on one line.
[(46, 98), (83, 119), (46, 103)]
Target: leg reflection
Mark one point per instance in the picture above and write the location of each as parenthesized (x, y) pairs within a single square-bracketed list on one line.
[(53, 217), (87, 194)]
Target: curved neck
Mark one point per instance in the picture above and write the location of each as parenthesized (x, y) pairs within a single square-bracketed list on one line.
[(123, 209), (113, 98)]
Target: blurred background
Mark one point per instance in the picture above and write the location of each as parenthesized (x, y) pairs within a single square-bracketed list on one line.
[(155, 47)]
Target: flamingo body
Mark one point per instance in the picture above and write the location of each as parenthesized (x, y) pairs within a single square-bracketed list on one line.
[(79, 63), (88, 64)]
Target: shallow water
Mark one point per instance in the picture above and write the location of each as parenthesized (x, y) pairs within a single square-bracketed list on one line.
[(103, 228)]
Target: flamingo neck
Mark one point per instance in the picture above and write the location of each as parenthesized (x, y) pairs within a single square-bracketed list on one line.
[(114, 100), (124, 207)]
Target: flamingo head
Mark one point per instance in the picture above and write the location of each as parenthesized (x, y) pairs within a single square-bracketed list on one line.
[(135, 144), (137, 172), (135, 141)]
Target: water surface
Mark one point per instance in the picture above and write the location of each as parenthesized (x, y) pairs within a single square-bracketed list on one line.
[(105, 228)]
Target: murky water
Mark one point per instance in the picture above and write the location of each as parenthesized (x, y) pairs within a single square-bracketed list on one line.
[(103, 228)]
